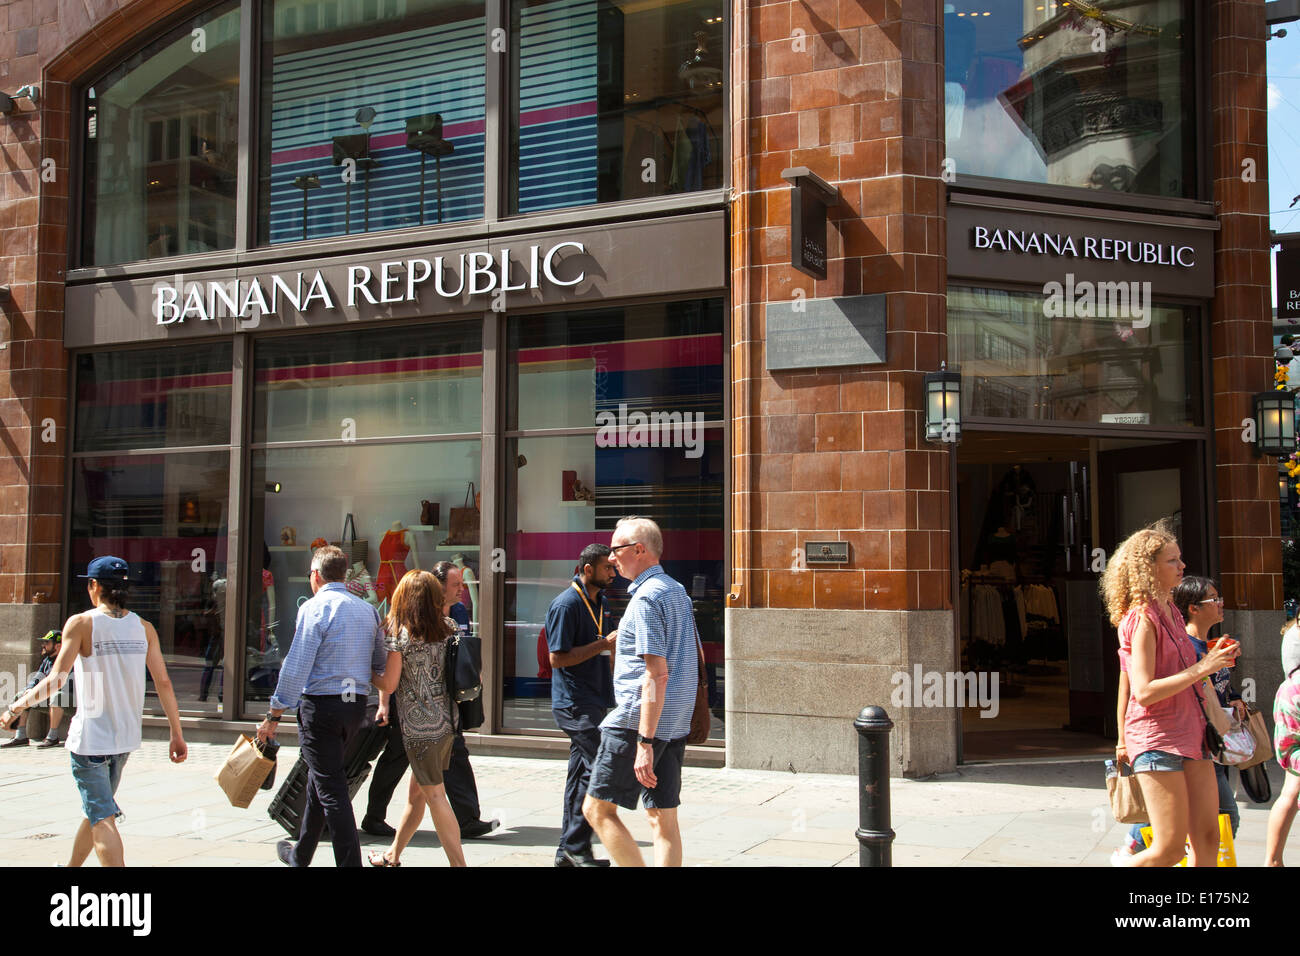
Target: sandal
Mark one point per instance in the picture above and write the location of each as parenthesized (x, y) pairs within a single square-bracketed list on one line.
[(380, 859)]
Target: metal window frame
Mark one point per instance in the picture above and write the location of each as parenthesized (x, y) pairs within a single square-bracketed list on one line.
[(496, 221)]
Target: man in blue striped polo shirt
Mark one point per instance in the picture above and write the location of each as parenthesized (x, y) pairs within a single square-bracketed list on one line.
[(643, 739), (338, 643)]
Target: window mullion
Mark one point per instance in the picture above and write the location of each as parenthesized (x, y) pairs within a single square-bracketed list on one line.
[(246, 166)]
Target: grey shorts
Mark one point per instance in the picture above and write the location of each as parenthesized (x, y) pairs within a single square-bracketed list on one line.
[(613, 772)]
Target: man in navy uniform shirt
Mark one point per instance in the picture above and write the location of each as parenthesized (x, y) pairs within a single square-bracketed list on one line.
[(581, 641)]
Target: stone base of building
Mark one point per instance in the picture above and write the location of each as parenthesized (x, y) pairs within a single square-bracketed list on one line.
[(1260, 634), (796, 679)]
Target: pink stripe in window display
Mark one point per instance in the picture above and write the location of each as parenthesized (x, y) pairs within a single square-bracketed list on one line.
[(567, 545), (386, 141), (152, 550), (631, 356)]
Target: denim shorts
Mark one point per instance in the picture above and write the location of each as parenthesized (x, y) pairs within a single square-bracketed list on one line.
[(97, 777), (613, 772), (1157, 760)]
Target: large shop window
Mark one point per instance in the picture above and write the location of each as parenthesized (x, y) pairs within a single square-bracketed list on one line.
[(615, 100), (373, 115), (319, 474), (638, 395), (1019, 362), (164, 512), (1073, 94), (162, 142)]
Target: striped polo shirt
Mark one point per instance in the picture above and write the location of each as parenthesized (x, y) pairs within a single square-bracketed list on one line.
[(659, 621)]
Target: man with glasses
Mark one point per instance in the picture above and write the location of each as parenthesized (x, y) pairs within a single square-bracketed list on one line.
[(643, 739), (337, 645)]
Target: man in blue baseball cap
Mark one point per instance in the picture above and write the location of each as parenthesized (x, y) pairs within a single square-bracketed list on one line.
[(109, 648)]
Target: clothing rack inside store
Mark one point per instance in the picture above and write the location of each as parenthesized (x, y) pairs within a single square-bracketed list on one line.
[(1034, 629)]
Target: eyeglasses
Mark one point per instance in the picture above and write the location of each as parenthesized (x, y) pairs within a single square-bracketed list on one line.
[(1217, 600), (619, 547)]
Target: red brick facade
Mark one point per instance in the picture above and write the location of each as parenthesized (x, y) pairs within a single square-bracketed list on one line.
[(850, 90)]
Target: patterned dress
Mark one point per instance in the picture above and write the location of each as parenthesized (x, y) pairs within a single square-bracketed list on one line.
[(1286, 724), (423, 707)]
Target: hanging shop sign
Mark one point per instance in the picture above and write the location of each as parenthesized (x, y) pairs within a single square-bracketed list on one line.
[(1028, 245), (808, 201), (1288, 282)]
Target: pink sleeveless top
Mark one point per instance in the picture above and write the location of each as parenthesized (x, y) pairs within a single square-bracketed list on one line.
[(1175, 724)]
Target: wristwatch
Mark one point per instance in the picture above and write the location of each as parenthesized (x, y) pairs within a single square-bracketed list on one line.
[(645, 740), (272, 720)]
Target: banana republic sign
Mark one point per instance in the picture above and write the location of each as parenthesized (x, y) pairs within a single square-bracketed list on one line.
[(1018, 246), (681, 255)]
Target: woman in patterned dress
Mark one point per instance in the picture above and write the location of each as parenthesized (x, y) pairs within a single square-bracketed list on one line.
[(1286, 743), (416, 672)]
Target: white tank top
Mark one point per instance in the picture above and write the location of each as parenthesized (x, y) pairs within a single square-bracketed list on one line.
[(110, 687)]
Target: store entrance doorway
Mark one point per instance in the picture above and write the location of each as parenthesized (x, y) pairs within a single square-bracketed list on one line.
[(1037, 517)]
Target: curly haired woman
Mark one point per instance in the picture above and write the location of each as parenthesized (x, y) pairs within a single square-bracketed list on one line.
[(1164, 726)]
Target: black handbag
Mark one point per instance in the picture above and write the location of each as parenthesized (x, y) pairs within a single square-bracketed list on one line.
[(1254, 780), (464, 668)]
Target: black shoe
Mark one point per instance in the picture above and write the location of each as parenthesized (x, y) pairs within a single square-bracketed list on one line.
[(477, 828), (284, 850), (376, 827), (565, 858), (47, 743), (17, 742)]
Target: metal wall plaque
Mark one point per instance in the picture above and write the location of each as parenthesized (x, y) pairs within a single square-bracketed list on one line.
[(823, 333), (826, 552)]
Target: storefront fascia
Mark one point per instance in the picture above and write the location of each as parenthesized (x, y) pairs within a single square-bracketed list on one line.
[(1016, 247), (617, 264)]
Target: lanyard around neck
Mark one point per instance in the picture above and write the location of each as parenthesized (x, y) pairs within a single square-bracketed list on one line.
[(599, 622)]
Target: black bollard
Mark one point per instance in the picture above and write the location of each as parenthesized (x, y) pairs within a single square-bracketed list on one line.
[(874, 834)]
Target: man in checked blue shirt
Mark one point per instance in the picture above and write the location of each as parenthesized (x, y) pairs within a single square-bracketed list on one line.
[(337, 645), (643, 739)]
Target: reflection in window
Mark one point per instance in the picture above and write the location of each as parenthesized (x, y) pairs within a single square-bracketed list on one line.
[(153, 398), (162, 142), (166, 516), (597, 370), (1017, 362), (305, 495), (1082, 94), (373, 115), (569, 367), (422, 381), (616, 100)]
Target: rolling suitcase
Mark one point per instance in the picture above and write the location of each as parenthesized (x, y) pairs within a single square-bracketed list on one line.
[(290, 800)]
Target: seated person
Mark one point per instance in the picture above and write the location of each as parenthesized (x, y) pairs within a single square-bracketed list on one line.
[(50, 644)]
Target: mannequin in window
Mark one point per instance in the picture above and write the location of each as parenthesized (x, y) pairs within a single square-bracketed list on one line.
[(1000, 549), (216, 649), (470, 583), (398, 542)]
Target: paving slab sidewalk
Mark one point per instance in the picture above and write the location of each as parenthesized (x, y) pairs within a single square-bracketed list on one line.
[(1025, 814)]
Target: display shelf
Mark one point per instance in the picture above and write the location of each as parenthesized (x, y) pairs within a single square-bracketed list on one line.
[(288, 547), (457, 547), (299, 580), (578, 504), (423, 527)]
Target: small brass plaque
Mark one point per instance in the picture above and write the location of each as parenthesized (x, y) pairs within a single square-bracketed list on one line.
[(826, 552)]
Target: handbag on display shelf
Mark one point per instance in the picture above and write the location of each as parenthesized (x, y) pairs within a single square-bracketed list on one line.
[(1126, 802), (463, 522), (354, 549), (429, 513)]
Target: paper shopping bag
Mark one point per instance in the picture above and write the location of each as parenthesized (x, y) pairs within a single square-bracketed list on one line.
[(243, 772)]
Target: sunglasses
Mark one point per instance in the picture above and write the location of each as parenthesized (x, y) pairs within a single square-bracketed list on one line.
[(1217, 600), (619, 547)]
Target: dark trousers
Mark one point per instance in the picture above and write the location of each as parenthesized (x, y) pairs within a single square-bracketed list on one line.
[(458, 778), (389, 770), (582, 724), (325, 725), (462, 791)]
